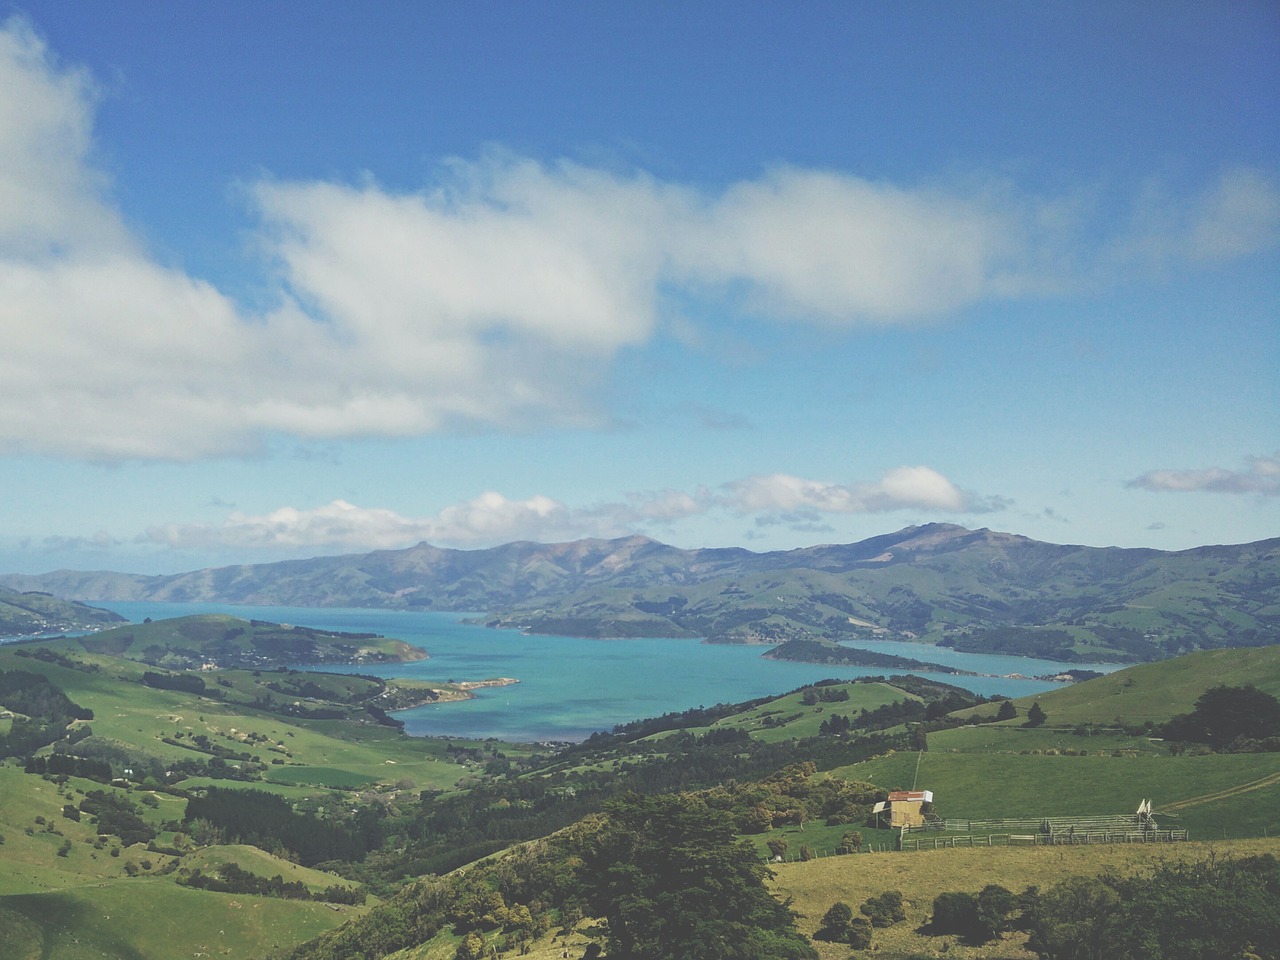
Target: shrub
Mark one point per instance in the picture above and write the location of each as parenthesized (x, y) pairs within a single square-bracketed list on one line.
[(884, 910)]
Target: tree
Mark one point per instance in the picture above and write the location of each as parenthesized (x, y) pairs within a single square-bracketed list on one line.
[(1076, 920), (671, 880), (956, 913), (919, 738), (1007, 710), (1035, 716), (472, 947), (777, 848), (835, 924)]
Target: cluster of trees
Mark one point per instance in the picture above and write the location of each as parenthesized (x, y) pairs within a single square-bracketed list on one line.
[(671, 880), (62, 764), (888, 715), (268, 821), (824, 693), (115, 815), (841, 925), (794, 796), (232, 878), (1180, 911), (1230, 718), (43, 710), (184, 682), (1035, 716)]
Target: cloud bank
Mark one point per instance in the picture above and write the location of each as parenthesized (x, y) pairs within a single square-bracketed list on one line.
[(1261, 476), (492, 518), (495, 297)]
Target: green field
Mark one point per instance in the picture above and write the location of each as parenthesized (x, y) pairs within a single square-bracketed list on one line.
[(1000, 786)]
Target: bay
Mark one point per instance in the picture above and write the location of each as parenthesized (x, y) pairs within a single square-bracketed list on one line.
[(571, 687)]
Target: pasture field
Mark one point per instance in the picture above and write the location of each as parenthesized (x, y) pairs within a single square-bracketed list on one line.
[(1217, 795), (155, 919)]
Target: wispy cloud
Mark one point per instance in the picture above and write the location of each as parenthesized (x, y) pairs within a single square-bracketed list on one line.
[(1261, 476), (493, 518), (497, 296)]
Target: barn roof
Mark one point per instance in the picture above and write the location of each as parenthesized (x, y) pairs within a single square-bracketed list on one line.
[(904, 796)]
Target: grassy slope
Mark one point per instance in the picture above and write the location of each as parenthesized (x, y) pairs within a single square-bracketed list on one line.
[(261, 863), (324, 753), (862, 696), (816, 885), (155, 919), (1155, 691)]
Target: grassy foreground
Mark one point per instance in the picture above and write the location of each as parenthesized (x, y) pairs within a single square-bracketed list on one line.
[(920, 877)]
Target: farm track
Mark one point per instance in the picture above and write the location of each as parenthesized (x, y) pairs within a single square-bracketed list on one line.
[(1248, 787)]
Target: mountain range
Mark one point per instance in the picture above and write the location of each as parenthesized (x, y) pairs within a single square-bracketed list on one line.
[(975, 590)]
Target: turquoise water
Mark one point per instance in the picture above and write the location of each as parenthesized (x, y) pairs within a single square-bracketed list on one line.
[(571, 687)]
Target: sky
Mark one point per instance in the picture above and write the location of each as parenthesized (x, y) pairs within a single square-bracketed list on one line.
[(299, 279)]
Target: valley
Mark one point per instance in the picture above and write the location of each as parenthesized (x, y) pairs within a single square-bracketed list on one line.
[(792, 777)]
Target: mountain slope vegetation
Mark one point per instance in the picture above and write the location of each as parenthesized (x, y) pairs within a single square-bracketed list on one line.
[(975, 590)]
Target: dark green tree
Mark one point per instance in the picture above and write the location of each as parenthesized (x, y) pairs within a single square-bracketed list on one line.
[(996, 907), (835, 924), (956, 913), (1007, 710), (1035, 716), (671, 880), (1223, 714)]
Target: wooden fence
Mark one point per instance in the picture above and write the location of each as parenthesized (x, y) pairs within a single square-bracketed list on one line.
[(1044, 839)]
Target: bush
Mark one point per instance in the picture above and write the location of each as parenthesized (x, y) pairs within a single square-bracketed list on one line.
[(860, 933), (884, 910), (836, 924)]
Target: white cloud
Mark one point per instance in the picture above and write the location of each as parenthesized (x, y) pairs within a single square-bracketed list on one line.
[(903, 487), (1236, 215), (838, 248), (1261, 476), (492, 518), (497, 297)]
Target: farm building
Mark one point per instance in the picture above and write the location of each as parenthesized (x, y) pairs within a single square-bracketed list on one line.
[(904, 808)]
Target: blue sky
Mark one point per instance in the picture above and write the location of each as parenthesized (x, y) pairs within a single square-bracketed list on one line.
[(295, 279)]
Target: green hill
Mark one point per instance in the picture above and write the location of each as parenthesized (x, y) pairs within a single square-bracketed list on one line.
[(217, 640), (1153, 692), (33, 612)]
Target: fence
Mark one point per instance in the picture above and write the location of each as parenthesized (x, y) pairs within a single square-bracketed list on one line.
[(1044, 839), (1038, 825)]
